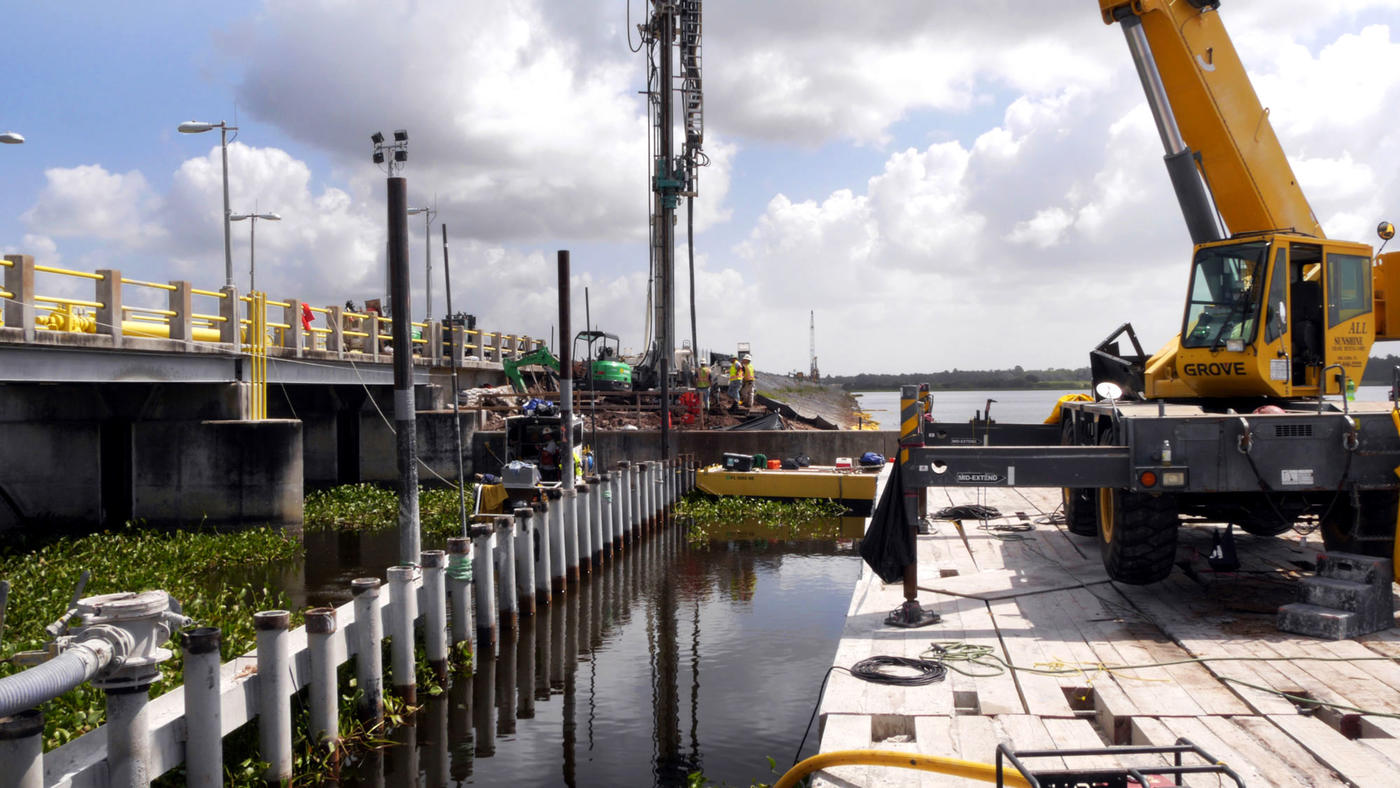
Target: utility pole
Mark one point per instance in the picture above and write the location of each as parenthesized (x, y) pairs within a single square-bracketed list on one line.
[(405, 417)]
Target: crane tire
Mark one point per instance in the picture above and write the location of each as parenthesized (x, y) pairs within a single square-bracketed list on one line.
[(1137, 535), (1373, 534), (1078, 502), (1081, 519)]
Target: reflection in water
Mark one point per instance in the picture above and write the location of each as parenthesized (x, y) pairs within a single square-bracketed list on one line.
[(624, 649)]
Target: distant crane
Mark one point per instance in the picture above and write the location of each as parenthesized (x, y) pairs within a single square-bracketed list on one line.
[(814, 374)]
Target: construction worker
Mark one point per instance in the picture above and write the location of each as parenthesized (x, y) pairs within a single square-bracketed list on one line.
[(717, 381), (746, 394), (702, 384), (736, 374)]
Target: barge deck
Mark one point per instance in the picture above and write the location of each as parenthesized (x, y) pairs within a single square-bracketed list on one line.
[(1036, 598)]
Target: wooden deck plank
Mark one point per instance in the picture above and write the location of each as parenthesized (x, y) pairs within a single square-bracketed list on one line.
[(1024, 648), (1028, 732), (845, 732), (1360, 765), (996, 694), (1054, 613)]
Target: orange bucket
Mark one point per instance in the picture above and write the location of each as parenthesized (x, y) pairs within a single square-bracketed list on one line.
[(775, 465)]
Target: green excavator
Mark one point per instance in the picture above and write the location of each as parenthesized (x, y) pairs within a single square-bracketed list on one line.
[(604, 370)]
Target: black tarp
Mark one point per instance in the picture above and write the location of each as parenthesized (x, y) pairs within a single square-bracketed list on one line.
[(888, 545), (768, 421)]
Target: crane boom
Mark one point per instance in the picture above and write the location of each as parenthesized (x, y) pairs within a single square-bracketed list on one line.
[(1204, 101)]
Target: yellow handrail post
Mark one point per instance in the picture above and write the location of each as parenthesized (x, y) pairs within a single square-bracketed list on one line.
[(109, 295), (19, 282), (256, 347), (182, 323)]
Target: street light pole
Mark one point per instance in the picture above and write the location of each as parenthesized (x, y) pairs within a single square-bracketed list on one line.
[(428, 214), (199, 127), (253, 240)]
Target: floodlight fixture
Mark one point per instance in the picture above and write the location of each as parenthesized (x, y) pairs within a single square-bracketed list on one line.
[(11, 138), (199, 127), (252, 219), (393, 154)]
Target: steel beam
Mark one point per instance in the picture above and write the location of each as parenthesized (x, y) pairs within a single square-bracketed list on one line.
[(1018, 466)]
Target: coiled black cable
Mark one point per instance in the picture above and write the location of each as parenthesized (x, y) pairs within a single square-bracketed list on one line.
[(968, 512), (876, 670)]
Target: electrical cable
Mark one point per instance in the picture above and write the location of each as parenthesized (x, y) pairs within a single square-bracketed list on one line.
[(876, 670), (967, 512)]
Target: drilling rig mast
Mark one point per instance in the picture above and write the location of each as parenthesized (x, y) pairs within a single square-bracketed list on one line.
[(669, 23)]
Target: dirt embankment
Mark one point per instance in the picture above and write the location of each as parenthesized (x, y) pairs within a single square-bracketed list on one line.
[(810, 400)]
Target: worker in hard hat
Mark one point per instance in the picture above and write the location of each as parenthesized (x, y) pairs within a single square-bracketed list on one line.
[(702, 384), (746, 371), (736, 374)]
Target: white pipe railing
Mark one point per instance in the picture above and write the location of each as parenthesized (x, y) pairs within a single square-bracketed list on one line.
[(190, 721)]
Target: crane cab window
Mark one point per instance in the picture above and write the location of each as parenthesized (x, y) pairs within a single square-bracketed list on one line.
[(1227, 283), (1276, 307), (1348, 287)]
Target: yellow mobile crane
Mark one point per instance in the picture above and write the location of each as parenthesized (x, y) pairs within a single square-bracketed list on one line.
[(1229, 421), (1272, 301)]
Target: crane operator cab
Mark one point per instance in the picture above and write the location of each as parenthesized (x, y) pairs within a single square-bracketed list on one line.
[(1266, 314)]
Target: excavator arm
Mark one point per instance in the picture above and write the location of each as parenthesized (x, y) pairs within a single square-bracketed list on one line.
[(540, 356), (1206, 110)]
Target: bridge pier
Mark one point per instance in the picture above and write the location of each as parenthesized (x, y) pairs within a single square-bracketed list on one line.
[(168, 455)]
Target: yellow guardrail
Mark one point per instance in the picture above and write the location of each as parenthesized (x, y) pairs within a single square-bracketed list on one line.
[(55, 311)]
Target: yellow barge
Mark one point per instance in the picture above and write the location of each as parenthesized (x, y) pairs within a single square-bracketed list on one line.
[(852, 487)]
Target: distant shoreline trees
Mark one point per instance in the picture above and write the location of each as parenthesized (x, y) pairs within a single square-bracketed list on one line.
[(968, 379), (1378, 373)]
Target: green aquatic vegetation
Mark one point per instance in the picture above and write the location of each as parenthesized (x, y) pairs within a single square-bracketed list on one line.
[(370, 507), (134, 558), (710, 516)]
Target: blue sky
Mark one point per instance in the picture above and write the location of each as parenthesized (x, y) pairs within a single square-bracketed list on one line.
[(944, 185)]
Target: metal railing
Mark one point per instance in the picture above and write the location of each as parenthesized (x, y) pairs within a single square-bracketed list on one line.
[(224, 317), (492, 578)]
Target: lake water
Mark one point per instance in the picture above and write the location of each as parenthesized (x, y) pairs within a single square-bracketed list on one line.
[(1011, 406), (677, 658)]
